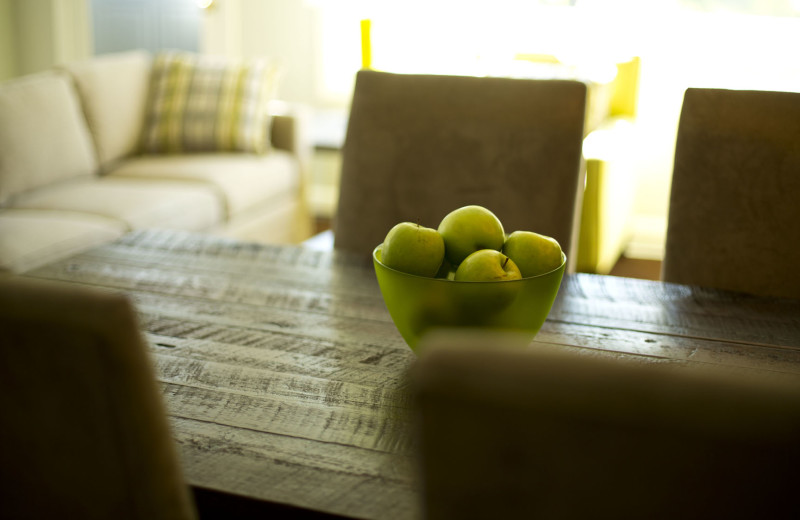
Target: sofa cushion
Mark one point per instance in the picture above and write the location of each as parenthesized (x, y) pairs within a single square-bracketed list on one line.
[(31, 238), (43, 134), (139, 203), (208, 103), (243, 180), (113, 89)]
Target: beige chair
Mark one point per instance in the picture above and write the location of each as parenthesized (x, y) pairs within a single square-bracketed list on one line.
[(511, 431), (83, 431), (734, 215), (420, 146)]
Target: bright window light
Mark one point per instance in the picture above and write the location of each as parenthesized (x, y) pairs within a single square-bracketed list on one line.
[(683, 41)]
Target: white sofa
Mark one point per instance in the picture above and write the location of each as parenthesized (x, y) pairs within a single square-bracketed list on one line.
[(72, 173)]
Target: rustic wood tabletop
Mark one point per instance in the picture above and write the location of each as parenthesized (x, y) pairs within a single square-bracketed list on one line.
[(286, 381)]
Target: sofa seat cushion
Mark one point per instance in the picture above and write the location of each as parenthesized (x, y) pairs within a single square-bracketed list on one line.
[(245, 181), (43, 135), (139, 203), (32, 238)]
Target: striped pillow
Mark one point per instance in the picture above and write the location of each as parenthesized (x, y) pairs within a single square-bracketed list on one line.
[(203, 103)]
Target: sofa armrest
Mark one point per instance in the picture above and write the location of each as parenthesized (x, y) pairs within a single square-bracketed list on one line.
[(290, 130)]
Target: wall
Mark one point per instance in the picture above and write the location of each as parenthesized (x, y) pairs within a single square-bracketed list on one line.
[(71, 30), (283, 30), (8, 55), (37, 34), (120, 25)]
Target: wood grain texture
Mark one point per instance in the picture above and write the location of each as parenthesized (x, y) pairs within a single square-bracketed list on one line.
[(286, 380)]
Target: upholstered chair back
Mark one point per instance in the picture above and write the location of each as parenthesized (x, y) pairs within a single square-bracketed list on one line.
[(734, 214), (420, 146)]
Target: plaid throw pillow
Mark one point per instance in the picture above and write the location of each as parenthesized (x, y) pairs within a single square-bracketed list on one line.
[(204, 103)]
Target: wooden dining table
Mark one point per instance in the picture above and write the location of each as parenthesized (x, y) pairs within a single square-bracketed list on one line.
[(287, 384)]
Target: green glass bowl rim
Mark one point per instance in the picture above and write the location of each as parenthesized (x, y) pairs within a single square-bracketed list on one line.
[(465, 282)]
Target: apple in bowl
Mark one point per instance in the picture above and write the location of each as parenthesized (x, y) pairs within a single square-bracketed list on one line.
[(486, 265), (469, 229), (533, 253), (413, 249)]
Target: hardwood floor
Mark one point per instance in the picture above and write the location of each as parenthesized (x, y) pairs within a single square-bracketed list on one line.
[(637, 268), (321, 224)]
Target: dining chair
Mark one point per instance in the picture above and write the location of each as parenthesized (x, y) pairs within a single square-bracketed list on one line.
[(511, 431), (419, 146), (734, 217), (83, 429)]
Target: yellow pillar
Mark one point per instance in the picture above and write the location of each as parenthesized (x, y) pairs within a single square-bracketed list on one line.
[(366, 44)]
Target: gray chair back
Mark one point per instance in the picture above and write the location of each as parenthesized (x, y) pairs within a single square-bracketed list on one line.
[(83, 429), (734, 213), (508, 430), (420, 146)]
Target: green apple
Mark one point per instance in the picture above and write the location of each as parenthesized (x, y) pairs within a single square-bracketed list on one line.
[(533, 253), (469, 229), (413, 249), (487, 265), (480, 303)]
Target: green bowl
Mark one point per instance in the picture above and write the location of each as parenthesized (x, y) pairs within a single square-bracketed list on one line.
[(418, 304)]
